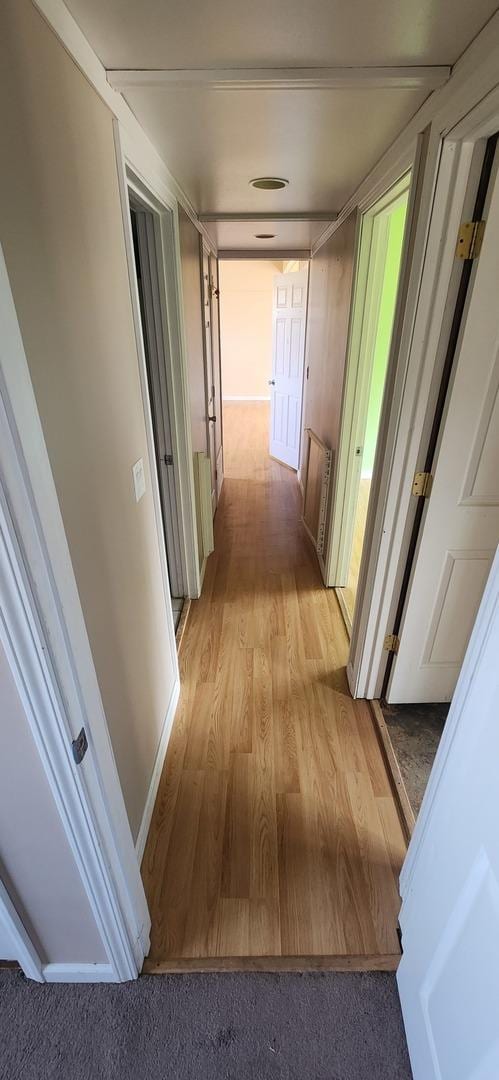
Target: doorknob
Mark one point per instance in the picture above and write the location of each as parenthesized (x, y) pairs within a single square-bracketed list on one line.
[(213, 419), (271, 382)]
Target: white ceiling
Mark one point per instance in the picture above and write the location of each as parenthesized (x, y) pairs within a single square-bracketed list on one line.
[(278, 33), (298, 235), (323, 140)]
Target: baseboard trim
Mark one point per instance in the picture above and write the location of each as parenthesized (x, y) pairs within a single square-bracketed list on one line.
[(344, 610), (388, 962), (180, 631), (402, 801), (140, 843), (78, 973), (242, 397)]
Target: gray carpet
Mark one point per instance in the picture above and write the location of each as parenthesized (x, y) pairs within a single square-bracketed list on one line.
[(325, 1026), (415, 731)]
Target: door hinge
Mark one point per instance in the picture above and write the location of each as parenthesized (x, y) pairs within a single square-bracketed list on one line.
[(168, 459), (422, 484), (79, 746), (391, 643), (470, 239)]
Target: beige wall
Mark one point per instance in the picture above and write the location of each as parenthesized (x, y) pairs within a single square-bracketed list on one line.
[(329, 295), (246, 297), (37, 865), (62, 236)]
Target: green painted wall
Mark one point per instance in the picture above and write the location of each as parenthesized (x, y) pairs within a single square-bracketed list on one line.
[(383, 333)]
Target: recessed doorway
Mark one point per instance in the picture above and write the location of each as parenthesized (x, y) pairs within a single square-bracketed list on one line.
[(263, 321), (375, 294)]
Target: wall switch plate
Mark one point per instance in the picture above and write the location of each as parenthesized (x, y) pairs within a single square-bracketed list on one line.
[(139, 479)]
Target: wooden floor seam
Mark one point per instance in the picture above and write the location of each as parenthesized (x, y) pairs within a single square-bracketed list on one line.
[(275, 841)]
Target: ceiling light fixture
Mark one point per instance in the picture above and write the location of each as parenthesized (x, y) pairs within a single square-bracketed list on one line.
[(269, 183), (265, 236)]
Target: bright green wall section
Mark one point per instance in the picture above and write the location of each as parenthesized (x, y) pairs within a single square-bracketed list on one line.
[(384, 332)]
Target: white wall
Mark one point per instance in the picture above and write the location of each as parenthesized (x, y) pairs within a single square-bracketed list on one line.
[(62, 235), (37, 865), (246, 296)]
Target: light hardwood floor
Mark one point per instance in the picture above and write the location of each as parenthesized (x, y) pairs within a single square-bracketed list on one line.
[(275, 834)]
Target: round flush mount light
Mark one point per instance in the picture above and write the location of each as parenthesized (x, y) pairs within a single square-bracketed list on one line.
[(264, 235), (269, 183)]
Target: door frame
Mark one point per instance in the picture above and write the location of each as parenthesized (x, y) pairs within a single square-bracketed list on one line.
[(370, 253), (26, 954), (445, 178), (160, 389), (170, 310), (42, 629), (206, 302)]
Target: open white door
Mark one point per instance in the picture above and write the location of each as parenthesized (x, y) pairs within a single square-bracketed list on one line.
[(461, 528), (449, 973), (288, 353), (213, 406)]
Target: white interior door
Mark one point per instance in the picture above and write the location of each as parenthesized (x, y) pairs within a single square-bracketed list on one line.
[(461, 529), (217, 373), (449, 973), (212, 412), (288, 353)]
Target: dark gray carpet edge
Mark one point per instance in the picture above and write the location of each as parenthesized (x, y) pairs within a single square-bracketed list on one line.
[(320, 1026)]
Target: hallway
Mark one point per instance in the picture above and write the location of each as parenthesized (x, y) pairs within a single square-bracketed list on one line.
[(275, 833)]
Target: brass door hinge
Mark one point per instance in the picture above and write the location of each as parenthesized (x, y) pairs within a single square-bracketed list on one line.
[(469, 239), (391, 643), (422, 484)]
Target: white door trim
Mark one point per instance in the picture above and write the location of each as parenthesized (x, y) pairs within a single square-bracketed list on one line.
[(170, 281), (366, 298), (160, 391), (447, 191), (44, 635), (22, 946)]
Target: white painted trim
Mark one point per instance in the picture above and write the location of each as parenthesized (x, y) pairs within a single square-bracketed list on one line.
[(293, 78), (140, 843), (473, 77), (303, 254), (170, 282), (144, 155), (44, 635), (449, 180), (246, 397), (78, 973), (295, 215), (22, 946)]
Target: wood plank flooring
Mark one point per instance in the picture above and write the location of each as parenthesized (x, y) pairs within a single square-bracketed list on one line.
[(275, 834)]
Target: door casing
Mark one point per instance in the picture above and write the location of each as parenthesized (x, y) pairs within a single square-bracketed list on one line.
[(371, 245), (442, 195)]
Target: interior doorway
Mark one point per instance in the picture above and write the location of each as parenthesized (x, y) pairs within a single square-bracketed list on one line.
[(263, 323), (456, 530), (157, 359), (379, 256)]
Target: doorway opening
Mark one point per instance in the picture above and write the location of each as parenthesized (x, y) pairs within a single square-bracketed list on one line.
[(158, 366), (379, 256), (456, 525), (263, 320)]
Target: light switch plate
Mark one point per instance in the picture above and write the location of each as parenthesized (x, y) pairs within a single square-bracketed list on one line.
[(139, 479)]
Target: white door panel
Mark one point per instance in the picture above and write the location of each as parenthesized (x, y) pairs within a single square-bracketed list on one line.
[(461, 528), (213, 418), (289, 320), (449, 973)]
